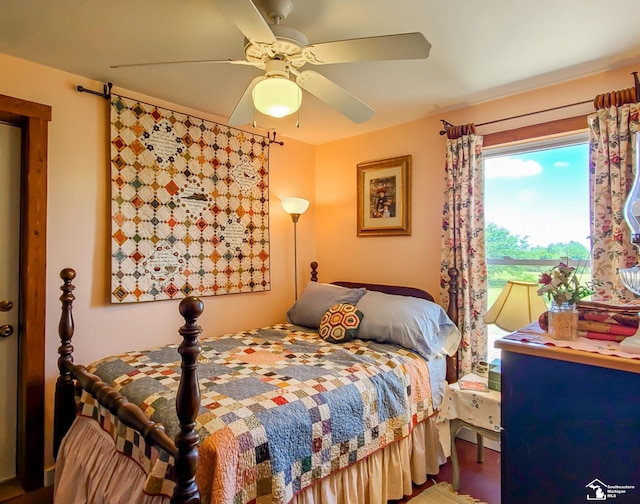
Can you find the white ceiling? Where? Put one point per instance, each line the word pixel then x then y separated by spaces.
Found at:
pixel 480 50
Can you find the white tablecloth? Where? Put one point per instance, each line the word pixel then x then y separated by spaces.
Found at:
pixel 477 408
pixel 534 334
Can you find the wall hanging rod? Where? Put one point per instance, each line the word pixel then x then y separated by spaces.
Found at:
pixel 106 94
pixel 273 140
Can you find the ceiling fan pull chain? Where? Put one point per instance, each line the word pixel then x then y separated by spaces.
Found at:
pixel 298 116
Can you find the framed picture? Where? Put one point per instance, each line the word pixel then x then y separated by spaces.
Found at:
pixel 384 197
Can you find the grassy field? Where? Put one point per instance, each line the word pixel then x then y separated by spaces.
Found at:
pixel 499 275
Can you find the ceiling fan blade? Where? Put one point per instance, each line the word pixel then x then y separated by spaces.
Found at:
pixel 384 47
pixel 335 96
pixel 244 111
pixel 183 62
pixel 247 18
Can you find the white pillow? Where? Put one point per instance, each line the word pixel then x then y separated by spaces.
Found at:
pixel 316 299
pixel 415 324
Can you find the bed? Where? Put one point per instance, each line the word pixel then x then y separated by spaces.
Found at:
pixel 329 407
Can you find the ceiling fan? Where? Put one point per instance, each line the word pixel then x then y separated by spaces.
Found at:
pixel 282 51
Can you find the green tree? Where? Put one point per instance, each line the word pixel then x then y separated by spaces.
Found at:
pixel 499 243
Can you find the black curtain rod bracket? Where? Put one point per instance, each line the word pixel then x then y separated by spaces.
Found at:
pixel 106 94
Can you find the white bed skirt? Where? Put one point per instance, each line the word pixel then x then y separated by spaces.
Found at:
pixel 88 451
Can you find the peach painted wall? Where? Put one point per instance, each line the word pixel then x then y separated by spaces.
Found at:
pixel 414 260
pixel 79 228
pixel 405 260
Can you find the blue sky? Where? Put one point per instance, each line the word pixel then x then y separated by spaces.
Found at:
pixel 543 195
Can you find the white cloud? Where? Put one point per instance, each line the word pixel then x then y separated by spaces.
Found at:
pixel 511 167
pixel 561 164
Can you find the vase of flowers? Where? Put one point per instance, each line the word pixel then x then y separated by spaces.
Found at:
pixel 562 287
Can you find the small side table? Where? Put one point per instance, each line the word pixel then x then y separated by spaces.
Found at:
pixel 477 411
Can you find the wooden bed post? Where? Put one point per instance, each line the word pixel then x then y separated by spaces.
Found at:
pixel 188 404
pixel 65 405
pixel 452 311
pixel 314 271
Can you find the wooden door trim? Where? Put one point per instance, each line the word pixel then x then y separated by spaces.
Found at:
pixel 33 119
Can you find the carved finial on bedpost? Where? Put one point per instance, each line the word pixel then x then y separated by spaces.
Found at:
pixel 452 311
pixel 65 408
pixel 188 404
pixel 314 271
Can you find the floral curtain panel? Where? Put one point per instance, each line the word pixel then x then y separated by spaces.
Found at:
pixel 611 138
pixel 463 245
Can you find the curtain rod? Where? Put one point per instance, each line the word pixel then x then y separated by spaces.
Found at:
pixel 447 125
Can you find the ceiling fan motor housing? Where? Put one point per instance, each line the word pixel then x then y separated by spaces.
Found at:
pixel 289 45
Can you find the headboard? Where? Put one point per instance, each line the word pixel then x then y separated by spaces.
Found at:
pixel 452 309
pixel 389 289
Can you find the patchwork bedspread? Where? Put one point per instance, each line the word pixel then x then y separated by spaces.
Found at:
pixel 281 409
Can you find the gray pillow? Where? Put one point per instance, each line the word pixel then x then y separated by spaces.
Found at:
pixel 413 323
pixel 316 299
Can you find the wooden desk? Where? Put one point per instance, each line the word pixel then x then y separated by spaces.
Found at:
pixel 569 417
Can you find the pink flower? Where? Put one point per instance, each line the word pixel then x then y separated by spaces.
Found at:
pixel 545 279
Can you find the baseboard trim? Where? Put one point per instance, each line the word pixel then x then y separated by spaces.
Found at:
pixel 49 476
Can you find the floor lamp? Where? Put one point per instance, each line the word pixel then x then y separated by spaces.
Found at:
pixel 295 207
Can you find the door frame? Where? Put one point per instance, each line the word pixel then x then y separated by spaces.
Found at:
pixel 33 120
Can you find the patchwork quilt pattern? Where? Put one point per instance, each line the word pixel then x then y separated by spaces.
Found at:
pixel 281 409
pixel 189 206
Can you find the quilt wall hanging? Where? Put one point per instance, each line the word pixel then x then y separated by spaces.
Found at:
pixel 189 206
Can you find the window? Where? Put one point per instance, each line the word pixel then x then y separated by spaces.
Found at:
pixel 536 212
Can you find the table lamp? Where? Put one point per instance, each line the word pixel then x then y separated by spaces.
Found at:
pixel 517 306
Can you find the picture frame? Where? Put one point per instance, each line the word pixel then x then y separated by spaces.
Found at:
pixel 384 197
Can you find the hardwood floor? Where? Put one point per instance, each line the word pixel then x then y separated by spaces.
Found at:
pixel 13 494
pixel 481 481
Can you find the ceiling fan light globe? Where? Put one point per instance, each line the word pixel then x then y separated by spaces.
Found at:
pixel 277 96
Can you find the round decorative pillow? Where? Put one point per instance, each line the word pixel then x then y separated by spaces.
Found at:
pixel 340 323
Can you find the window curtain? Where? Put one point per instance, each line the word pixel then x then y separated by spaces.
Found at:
pixel 611 138
pixel 463 245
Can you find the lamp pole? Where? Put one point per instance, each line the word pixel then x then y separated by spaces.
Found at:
pixel 294 218
pixel 295 207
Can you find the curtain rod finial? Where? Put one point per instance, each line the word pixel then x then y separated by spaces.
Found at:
pixel 446 125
